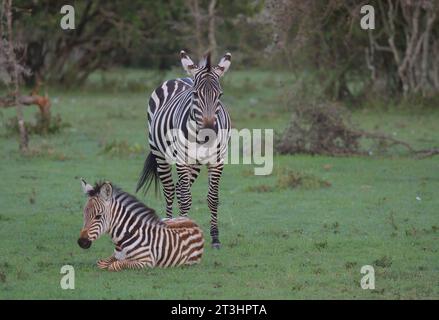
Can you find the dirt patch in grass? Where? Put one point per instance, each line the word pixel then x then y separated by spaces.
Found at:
pixel 321 245
pixel 290 179
pixel 350 265
pixel 120 148
pixel 46 151
pixel 383 262
pixel 295 179
pixel 262 188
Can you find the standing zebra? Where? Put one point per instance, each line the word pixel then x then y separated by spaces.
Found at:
pixel 141 237
pixel 188 106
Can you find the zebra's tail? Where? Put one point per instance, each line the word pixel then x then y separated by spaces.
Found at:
pixel 148 174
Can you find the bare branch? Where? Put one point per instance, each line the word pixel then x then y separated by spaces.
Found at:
pixel 14 74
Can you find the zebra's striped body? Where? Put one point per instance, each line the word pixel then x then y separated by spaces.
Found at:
pixel 170 108
pixel 140 236
pixel 178 111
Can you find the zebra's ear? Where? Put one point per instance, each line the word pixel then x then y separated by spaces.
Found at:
pixel 106 191
pixel 86 188
pixel 188 65
pixel 223 65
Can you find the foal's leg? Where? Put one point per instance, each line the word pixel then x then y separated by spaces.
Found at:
pixel 138 263
pixel 119 265
pixel 104 263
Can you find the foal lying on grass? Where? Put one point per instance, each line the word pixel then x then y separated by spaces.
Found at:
pixel 141 237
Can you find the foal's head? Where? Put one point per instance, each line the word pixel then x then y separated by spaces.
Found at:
pixel 96 212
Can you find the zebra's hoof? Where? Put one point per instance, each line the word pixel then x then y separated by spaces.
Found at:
pixel 216 245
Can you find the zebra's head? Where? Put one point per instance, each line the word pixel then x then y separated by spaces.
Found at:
pixel 206 89
pixel 96 212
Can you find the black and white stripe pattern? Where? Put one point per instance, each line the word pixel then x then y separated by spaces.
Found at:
pixel 141 237
pixel 188 107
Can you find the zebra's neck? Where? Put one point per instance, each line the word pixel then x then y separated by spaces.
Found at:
pixel 128 214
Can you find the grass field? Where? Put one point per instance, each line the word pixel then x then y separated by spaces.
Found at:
pixel 306 242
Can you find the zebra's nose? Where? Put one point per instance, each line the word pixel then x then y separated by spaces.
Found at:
pixel 84 243
pixel 209 123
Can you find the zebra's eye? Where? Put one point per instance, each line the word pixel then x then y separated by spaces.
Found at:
pixel 195 93
pixel 98 216
pixel 221 94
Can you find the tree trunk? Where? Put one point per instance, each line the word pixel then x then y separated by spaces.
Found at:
pixel 24 139
pixel 211 30
pixel 194 9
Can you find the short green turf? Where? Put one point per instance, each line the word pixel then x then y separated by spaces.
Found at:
pixel 380 210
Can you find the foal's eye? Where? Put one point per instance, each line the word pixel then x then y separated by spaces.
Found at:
pixel 98 216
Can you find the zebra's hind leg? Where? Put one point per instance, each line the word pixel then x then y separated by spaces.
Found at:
pixel 215 171
pixel 165 174
pixel 104 263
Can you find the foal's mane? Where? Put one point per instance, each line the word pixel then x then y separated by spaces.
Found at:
pixel 129 199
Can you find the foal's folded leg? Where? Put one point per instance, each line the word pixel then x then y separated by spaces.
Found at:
pixel 104 263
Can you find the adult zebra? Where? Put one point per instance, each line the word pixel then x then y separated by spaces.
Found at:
pixel 141 237
pixel 180 111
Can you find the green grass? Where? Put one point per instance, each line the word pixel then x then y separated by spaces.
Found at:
pixel 282 244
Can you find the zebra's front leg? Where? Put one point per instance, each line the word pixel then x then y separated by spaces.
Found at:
pixel 104 263
pixel 195 171
pixel 165 174
pixel 132 262
pixel 215 171
pixel 184 196
pixel 119 265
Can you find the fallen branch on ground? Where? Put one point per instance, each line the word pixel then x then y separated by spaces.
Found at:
pixel 380 136
pixel 43 103
pixel 425 153
pixel 326 129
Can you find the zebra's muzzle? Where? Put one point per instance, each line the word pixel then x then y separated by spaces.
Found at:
pixel 84 243
pixel 209 123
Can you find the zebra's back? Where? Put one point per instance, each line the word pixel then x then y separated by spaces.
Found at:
pixel 168 102
pixel 183 243
pixel 163 94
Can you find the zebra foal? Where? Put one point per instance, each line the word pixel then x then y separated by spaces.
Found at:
pixel 140 236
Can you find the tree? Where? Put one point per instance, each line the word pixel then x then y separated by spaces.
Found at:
pixel 400 56
pixel 200 18
pixel 10 68
pixel 409 35
pixel 106 33
pixel 217 25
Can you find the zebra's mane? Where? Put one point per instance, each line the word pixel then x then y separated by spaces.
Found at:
pixel 205 62
pixel 96 189
pixel 128 199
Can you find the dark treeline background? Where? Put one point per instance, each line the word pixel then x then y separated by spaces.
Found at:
pixel 322 38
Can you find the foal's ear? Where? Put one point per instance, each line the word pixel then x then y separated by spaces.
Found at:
pixel 223 65
pixel 86 188
pixel 106 191
pixel 188 65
